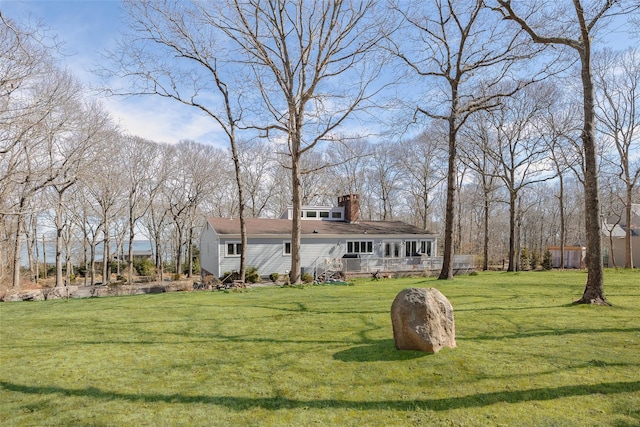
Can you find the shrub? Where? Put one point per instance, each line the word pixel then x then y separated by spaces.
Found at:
pixel 534 261
pixel 524 259
pixel 306 278
pixel 145 267
pixel 274 277
pixel 251 275
pixel 547 262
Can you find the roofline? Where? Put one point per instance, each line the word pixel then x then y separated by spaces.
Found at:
pixel 321 236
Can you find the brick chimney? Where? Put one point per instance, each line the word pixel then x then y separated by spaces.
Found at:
pixel 351 205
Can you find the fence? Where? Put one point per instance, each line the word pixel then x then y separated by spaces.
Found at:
pixel 323 270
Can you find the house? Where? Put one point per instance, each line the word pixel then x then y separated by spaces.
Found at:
pixel 332 239
pixel 614 240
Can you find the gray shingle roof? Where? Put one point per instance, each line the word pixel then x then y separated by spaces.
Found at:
pixel 267 226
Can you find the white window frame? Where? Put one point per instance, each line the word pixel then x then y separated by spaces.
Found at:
pixel 356 246
pixel 421 247
pixel 237 248
pixel 284 248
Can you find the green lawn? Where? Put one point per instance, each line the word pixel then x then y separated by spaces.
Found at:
pixel 324 355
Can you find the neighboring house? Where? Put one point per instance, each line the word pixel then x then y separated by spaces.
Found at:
pixel 332 239
pixel 613 241
pixel 138 255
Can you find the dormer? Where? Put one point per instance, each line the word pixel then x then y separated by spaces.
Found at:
pixel 317 213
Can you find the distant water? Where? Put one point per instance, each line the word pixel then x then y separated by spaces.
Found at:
pixel 77 255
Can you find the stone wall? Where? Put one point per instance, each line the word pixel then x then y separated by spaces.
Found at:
pixel 97 291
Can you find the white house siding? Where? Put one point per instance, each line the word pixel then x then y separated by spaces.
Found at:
pixel 209 251
pixel 267 254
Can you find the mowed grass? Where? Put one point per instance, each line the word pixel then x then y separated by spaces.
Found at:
pixel 324 355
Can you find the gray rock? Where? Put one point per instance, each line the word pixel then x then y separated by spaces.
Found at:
pixel 422 319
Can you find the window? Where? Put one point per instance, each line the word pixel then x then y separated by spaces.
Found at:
pixel 392 249
pixel 427 247
pixel 336 215
pixel 312 214
pixel 324 214
pixel 417 248
pixel 411 248
pixel 233 249
pixel 286 248
pixel 360 247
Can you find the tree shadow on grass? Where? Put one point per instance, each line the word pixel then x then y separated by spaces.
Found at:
pixel 278 402
pixel 377 351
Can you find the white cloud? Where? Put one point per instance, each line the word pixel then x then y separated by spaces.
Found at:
pixel 164 120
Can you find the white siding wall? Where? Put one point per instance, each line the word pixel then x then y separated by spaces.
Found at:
pixel 267 255
pixel 209 251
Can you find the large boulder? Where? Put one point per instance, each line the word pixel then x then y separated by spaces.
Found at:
pixel 422 319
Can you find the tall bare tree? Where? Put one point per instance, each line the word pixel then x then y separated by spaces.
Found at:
pixel 466 53
pixel 519 150
pixel 197 76
pixel 617 81
pixel 424 156
pixel 475 153
pixel 571 25
pixel 308 59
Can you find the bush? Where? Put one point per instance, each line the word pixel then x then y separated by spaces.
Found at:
pixel 534 261
pixel 251 275
pixel 274 277
pixel 145 267
pixel 524 259
pixel 307 278
pixel 547 262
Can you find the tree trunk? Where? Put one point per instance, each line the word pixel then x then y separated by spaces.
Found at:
pixel 131 237
pixel 295 273
pixel 17 248
pixel 447 257
pixel 512 232
pixel 628 250
pixel 44 257
pixel 106 271
pixel 485 249
pixel 562 222
pixel 59 281
pixel 594 288
pixel 240 189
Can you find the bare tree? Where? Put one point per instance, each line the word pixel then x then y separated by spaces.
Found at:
pixel 258 163
pixel 448 42
pixel 575 29
pixel 475 153
pixel 187 32
pixel 519 150
pixel 617 82
pixel 423 161
pixel 308 62
pixel 560 129
pixel 385 176
pixel 143 180
pixel 351 161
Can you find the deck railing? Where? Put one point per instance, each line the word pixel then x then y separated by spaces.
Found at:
pixel 418 265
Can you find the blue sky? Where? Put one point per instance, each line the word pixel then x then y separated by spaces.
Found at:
pixel 87 27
